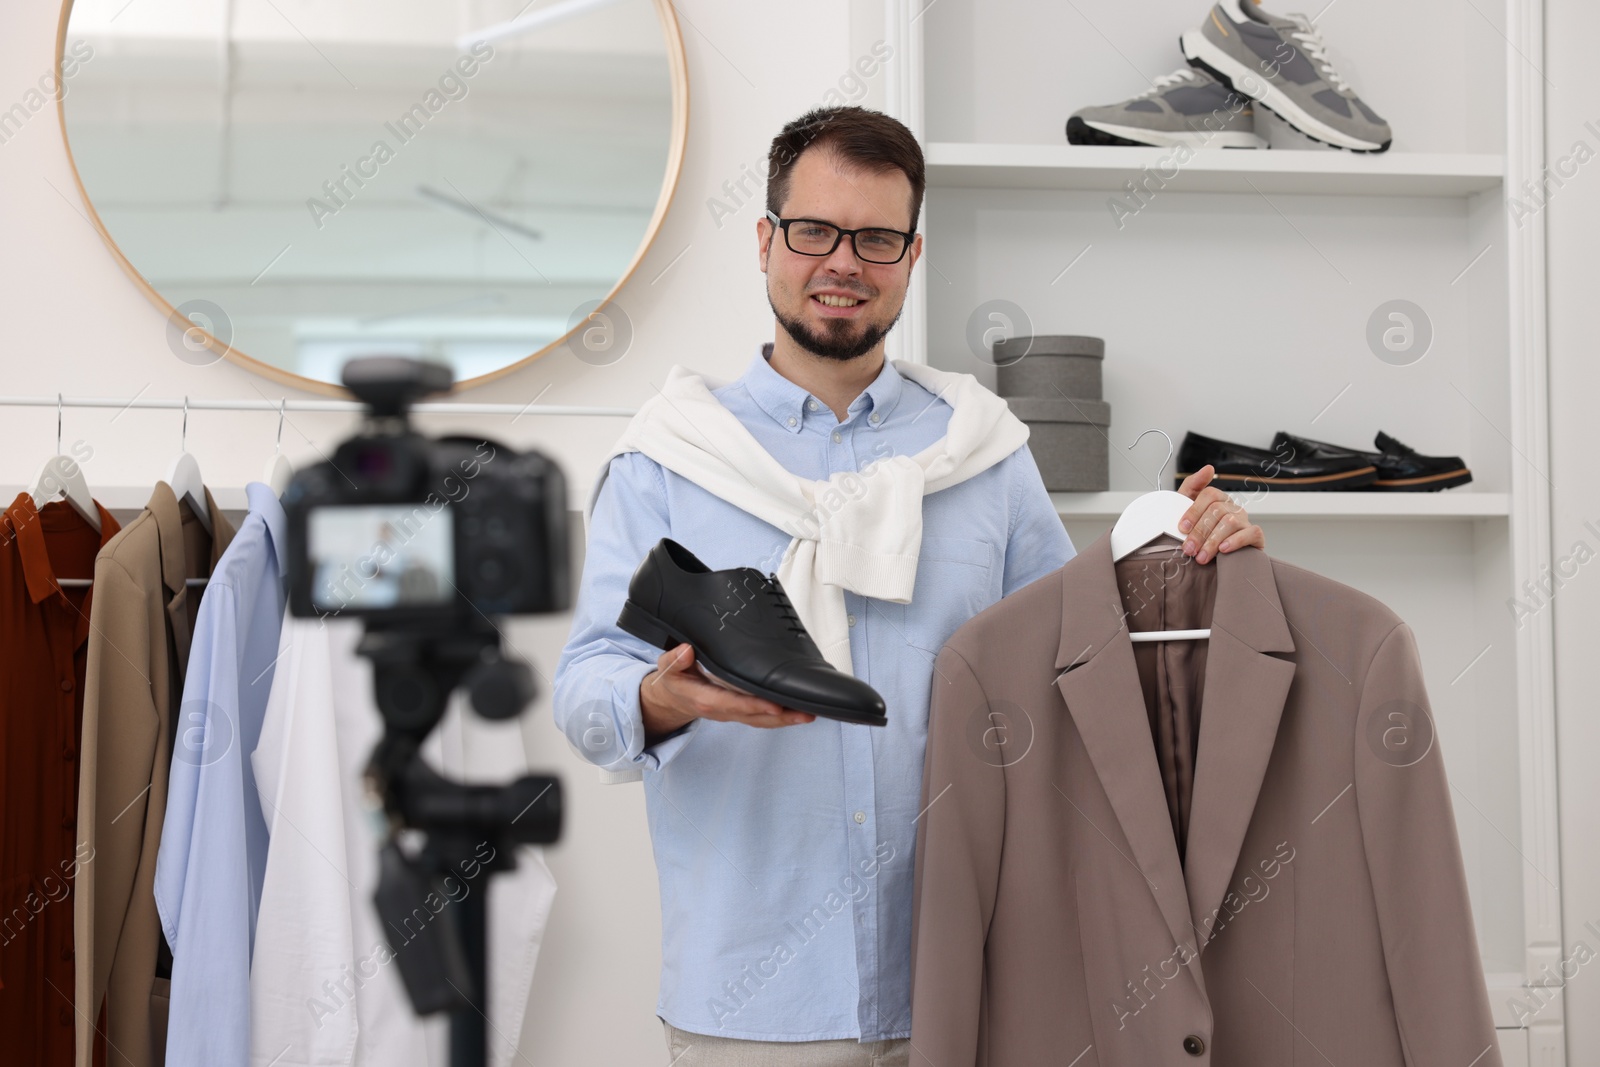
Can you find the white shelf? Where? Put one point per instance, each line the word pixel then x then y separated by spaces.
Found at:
pixel 1442 505
pixel 1211 170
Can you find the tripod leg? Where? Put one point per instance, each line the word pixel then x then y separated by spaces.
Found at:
pixel 469 1027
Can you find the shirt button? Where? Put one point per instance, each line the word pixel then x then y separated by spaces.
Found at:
pixel 836 437
pixel 861 816
pixel 851 619
pixel 811 404
pixel 792 420
pixel 1193 1045
pixel 875 418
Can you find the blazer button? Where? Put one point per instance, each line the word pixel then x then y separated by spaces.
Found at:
pixel 66 1016
pixel 1193 1045
pixel 66 685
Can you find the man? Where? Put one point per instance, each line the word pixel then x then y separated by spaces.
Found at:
pixel 786 855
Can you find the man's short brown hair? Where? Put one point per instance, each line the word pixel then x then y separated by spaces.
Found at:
pixel 859 137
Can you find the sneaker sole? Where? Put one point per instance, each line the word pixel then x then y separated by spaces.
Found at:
pixel 1084 132
pixel 1241 79
pixel 646 627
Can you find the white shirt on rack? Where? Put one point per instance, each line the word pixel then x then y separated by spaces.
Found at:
pixel 321 990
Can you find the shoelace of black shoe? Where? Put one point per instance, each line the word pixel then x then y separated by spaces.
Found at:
pixel 774 589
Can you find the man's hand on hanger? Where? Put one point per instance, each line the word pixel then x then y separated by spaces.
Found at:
pixel 1214 523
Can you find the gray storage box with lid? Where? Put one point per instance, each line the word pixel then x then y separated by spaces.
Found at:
pixel 1053 384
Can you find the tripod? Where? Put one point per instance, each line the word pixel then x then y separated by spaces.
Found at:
pixel 443 965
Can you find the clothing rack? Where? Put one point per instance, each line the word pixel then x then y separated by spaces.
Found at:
pixel 279 407
pixel 335 406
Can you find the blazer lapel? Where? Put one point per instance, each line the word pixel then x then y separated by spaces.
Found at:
pixel 1100 683
pixel 1241 705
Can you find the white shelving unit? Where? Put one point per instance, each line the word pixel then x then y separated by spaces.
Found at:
pixel 1235 294
pixel 1031 166
pixel 1313 506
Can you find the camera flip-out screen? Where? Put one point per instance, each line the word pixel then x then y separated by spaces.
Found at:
pixel 380 556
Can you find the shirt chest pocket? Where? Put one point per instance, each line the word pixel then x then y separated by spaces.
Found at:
pixel 955 581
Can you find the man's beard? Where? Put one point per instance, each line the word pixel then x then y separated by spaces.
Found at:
pixel 835 344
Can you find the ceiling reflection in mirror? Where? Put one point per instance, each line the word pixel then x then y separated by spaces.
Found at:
pixel 313 181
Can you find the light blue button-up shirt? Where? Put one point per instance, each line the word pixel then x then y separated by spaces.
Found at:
pixel 213 839
pixel 786 856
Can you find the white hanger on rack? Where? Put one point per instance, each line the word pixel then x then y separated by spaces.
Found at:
pixel 184 476
pixel 63 476
pixel 1145 519
pixel 278 471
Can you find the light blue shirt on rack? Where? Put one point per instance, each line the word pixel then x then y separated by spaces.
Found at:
pixel 786 856
pixel 213 838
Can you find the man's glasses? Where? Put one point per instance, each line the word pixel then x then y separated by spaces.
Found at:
pixel 813 237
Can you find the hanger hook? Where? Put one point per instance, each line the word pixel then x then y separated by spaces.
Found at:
pixel 58 424
pixel 1164 462
pixel 183 441
pixel 283 403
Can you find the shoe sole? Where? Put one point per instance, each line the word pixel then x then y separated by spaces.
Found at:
pixel 1360 478
pixel 1426 484
pixel 1084 132
pixel 1241 79
pixel 646 627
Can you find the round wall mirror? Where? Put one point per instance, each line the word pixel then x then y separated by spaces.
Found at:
pixel 298 182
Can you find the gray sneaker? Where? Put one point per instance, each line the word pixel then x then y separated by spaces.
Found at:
pixel 1187 107
pixel 1282 64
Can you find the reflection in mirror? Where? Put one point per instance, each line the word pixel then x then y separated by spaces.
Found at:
pixel 313 181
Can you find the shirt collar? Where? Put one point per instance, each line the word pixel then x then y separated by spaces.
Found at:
pixel 264 502
pixel 785 401
pixel 29 532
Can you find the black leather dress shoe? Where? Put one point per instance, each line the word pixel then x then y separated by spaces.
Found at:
pixel 1400 468
pixel 1243 467
pixel 745 634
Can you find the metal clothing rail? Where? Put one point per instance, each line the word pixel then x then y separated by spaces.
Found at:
pixel 84 583
pixel 337 406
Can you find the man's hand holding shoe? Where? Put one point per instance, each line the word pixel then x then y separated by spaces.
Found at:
pixel 675 694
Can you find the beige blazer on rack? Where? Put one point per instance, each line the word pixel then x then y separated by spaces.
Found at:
pixel 140 626
pixel 1321 915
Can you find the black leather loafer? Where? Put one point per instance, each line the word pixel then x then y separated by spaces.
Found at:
pixel 745 634
pixel 1242 467
pixel 1400 468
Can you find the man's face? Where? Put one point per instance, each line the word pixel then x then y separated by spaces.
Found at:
pixel 851 199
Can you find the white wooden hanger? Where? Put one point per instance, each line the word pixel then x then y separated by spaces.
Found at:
pixel 278 471
pixel 1148 517
pixel 184 477
pixel 63 476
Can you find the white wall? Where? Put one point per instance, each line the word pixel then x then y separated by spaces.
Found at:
pixel 74 322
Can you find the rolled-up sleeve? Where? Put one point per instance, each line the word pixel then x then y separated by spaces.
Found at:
pixel 596 699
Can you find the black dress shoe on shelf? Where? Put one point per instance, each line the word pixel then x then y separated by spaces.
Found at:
pixel 1242 467
pixel 1400 468
pixel 745 634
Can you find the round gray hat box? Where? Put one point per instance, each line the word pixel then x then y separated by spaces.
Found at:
pixel 1067 437
pixel 1049 365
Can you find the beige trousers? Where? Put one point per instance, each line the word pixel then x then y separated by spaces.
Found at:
pixel 702 1050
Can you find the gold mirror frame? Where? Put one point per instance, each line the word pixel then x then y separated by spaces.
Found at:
pixel 678 68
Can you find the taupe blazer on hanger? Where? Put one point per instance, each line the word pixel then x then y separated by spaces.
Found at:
pixel 140 627
pixel 1320 914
